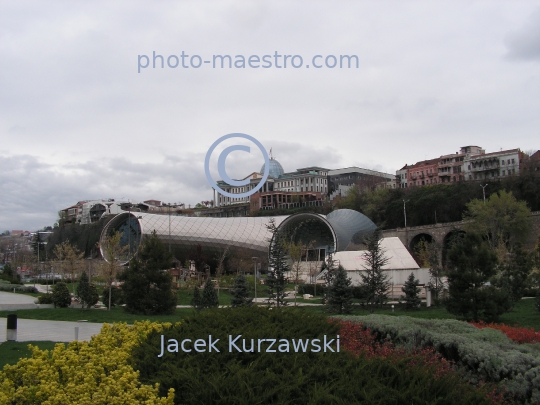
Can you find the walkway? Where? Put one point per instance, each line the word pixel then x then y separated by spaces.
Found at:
pixel 55 331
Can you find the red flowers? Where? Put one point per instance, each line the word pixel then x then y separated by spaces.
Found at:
pixel 361 342
pixel 515 333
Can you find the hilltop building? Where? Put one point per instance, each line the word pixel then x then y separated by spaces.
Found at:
pixel 470 163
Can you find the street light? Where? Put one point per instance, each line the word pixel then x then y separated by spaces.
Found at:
pixel 405 212
pixel 484 192
pixel 405 216
pixel 255 274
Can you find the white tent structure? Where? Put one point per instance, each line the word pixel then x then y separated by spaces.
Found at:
pixel 399 267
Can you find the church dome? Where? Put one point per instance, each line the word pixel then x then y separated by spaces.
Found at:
pixel 276 169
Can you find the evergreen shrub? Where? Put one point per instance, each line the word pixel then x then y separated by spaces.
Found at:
pixel 310 289
pixel 116 296
pixel 482 354
pixel 61 296
pixel 46 299
pixel 285 378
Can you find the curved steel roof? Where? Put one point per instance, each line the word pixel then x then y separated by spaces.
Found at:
pixel 335 231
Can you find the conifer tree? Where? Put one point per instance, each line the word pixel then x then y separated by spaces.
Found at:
pixel 375 281
pixel 147 285
pixel 240 292
pixel 209 296
pixel 87 292
pixel 60 295
pixel 196 301
pixel 278 266
pixel 411 299
pixel 472 264
pixel 340 293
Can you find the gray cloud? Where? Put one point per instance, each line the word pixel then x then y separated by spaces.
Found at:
pixel 524 44
pixel 77 121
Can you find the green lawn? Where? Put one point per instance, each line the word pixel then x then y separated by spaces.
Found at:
pixel 523 314
pixel 117 314
pixel 11 352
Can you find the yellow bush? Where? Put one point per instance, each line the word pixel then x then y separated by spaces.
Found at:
pixel 84 373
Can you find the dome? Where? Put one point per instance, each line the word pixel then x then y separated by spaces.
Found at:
pixel 350 226
pixel 275 168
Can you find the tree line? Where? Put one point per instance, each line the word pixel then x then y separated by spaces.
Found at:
pixel 437 203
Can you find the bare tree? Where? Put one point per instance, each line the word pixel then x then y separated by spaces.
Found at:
pixel 114 256
pixel 70 260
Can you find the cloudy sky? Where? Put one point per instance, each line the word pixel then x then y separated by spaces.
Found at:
pixel 78 121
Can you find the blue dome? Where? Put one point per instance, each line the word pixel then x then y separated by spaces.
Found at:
pixel 275 168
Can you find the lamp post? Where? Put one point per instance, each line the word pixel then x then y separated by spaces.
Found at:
pixel 255 275
pixel 484 192
pixel 405 212
pixel 405 216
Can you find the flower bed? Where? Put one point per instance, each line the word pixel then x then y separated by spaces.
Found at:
pixel 516 333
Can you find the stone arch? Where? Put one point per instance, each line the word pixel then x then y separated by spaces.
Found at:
pixel 447 242
pixel 415 240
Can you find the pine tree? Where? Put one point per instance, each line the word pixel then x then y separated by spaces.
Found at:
pixel 83 290
pixel 209 296
pixel 340 293
pixel 240 292
pixel 8 273
pixel 196 301
pixel 147 285
pixel 278 266
pixel 374 279
pixel 116 296
pixel 61 296
pixel 411 299
pixel 472 264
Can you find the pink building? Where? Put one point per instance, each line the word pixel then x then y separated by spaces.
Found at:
pixel 423 173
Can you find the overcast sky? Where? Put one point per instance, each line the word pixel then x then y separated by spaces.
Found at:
pixel 78 121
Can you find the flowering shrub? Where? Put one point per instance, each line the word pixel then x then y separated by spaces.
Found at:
pixel 481 354
pixel 516 333
pixel 360 341
pixel 84 373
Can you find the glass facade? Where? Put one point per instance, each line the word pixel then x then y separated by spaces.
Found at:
pixel 181 234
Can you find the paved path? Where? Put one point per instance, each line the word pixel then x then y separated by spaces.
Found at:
pixel 55 331
pixel 12 298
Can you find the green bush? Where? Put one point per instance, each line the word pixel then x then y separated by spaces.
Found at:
pixel 286 378
pixel 61 296
pixel 18 288
pixel 310 289
pixel 46 299
pixel 483 354
pixel 116 296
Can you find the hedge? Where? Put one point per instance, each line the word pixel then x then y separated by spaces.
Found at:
pixel 483 354
pixel 287 378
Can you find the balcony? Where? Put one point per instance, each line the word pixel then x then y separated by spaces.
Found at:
pixel 482 168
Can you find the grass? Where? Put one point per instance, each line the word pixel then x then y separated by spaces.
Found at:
pixel 12 352
pixel 116 314
pixel 524 313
